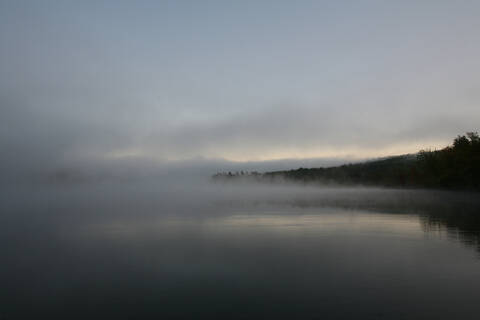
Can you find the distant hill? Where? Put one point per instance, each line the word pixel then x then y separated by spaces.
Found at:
pixel 454 167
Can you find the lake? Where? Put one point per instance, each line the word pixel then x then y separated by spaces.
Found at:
pixel 192 251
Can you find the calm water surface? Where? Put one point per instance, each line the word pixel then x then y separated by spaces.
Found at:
pixel 320 254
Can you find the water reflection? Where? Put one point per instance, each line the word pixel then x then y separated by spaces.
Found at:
pixel 454 213
pixel 310 254
pixel 461 226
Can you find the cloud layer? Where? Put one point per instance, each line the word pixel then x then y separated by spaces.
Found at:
pixel 103 82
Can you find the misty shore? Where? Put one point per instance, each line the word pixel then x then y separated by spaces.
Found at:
pixel 454 167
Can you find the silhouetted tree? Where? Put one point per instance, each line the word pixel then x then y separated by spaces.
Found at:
pixel 456 166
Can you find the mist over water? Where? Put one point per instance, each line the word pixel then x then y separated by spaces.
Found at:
pixel 180 247
pixel 115 114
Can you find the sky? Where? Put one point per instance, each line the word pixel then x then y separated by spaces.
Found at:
pixel 234 80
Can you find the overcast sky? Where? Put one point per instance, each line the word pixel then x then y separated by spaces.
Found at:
pixel 238 80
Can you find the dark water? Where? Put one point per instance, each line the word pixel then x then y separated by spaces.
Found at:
pixel 220 252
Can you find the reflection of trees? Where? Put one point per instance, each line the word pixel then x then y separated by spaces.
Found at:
pixel 462 225
pixel 457 213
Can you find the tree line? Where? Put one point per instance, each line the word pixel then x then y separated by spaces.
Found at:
pixel 455 167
